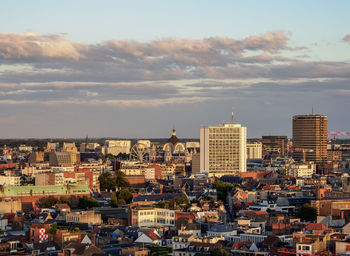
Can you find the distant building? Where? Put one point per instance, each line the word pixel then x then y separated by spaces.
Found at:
pixel 60 159
pixel 115 147
pixel 310 137
pixel 10 180
pixel 174 145
pixel 223 149
pixel 254 150
pixel 25 148
pixel 275 144
pixel 301 170
pixel 52 146
pixel 49 178
pixel 147 216
pixel 89 217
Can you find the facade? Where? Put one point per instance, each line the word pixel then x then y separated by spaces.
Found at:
pixel 301 170
pixel 89 217
pixel 114 147
pixel 145 216
pixel 35 193
pixel 310 137
pixel 254 150
pixel 223 149
pixel 10 180
pixel 49 178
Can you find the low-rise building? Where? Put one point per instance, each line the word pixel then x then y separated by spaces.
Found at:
pixel 89 217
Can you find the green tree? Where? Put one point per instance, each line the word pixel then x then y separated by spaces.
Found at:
pixel 110 181
pixel 114 200
pixel 64 200
pixel 121 180
pixel 307 213
pixel 125 195
pixel 87 202
pixel 107 181
pixel 47 202
pixel 222 188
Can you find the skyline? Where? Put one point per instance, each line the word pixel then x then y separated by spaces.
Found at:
pixel 117 70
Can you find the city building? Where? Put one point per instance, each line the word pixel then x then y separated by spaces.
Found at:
pixel 114 147
pixel 310 138
pixel 10 180
pixel 301 170
pixel 223 149
pixel 254 150
pixel 89 217
pixel 147 216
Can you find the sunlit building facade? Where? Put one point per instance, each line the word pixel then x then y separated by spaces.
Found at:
pixel 223 149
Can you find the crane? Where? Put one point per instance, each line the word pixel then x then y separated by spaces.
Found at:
pixel 335 134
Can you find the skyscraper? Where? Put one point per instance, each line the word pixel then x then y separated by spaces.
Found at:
pixel 310 137
pixel 223 149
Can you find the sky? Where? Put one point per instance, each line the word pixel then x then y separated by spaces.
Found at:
pixel 136 69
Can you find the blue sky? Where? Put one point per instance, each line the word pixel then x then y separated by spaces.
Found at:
pixel 68 68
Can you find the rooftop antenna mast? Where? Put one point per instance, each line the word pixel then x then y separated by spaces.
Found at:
pixel 312 111
pixel 232 115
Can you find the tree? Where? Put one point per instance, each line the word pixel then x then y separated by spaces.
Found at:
pixel 307 213
pixel 107 181
pixel 222 188
pixel 110 181
pixel 65 200
pixel 87 202
pixel 47 202
pixel 125 195
pixel 121 180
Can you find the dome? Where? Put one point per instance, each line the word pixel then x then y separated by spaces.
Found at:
pixel 173 139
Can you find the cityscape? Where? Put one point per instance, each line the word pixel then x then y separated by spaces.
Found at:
pixel 115 136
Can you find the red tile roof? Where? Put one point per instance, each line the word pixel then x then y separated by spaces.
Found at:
pixel 315 226
pixel 152 235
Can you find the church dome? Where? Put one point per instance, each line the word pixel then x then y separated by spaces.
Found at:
pixel 173 139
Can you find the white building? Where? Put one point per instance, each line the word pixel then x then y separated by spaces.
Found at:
pixel 152 217
pixel 115 147
pixel 254 150
pixel 301 170
pixel 223 149
pixel 10 180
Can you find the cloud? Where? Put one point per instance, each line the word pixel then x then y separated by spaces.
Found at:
pixel 31 46
pixel 49 69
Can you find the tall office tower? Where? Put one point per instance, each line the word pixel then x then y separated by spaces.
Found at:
pixel 223 149
pixel 310 137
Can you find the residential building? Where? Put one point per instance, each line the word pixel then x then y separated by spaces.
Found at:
pixel 223 149
pixel 301 170
pixel 89 217
pixel 10 180
pixel 147 216
pixel 254 150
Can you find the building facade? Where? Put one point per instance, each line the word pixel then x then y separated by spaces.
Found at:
pixel 223 149
pixel 254 150
pixel 310 137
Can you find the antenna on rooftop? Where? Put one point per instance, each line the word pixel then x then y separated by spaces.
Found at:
pixel 312 111
pixel 232 115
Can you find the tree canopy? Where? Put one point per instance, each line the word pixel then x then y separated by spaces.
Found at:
pixel 110 181
pixel 307 213
pixel 123 196
pixel 223 188
pixel 87 202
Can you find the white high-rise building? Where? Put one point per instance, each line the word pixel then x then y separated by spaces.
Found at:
pixel 223 149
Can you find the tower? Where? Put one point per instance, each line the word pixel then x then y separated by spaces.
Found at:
pixel 310 137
